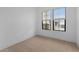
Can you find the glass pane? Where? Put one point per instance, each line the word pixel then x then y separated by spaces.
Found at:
pixel 59 25
pixel 49 13
pixel 59 13
pixel 44 15
pixel 46 25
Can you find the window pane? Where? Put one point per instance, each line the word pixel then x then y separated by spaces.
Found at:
pixel 46 25
pixel 59 25
pixel 59 13
pixel 49 14
pixel 44 15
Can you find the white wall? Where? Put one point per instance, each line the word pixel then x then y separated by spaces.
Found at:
pixel 77 27
pixel 16 24
pixel 69 35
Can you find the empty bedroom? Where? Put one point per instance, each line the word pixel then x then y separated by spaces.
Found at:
pixel 39 29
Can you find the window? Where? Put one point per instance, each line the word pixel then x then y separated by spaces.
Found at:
pixel 58 16
pixel 59 22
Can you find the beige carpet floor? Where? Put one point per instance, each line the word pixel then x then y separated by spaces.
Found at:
pixel 42 44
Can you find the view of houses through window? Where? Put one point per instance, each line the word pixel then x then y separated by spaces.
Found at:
pixel 56 18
